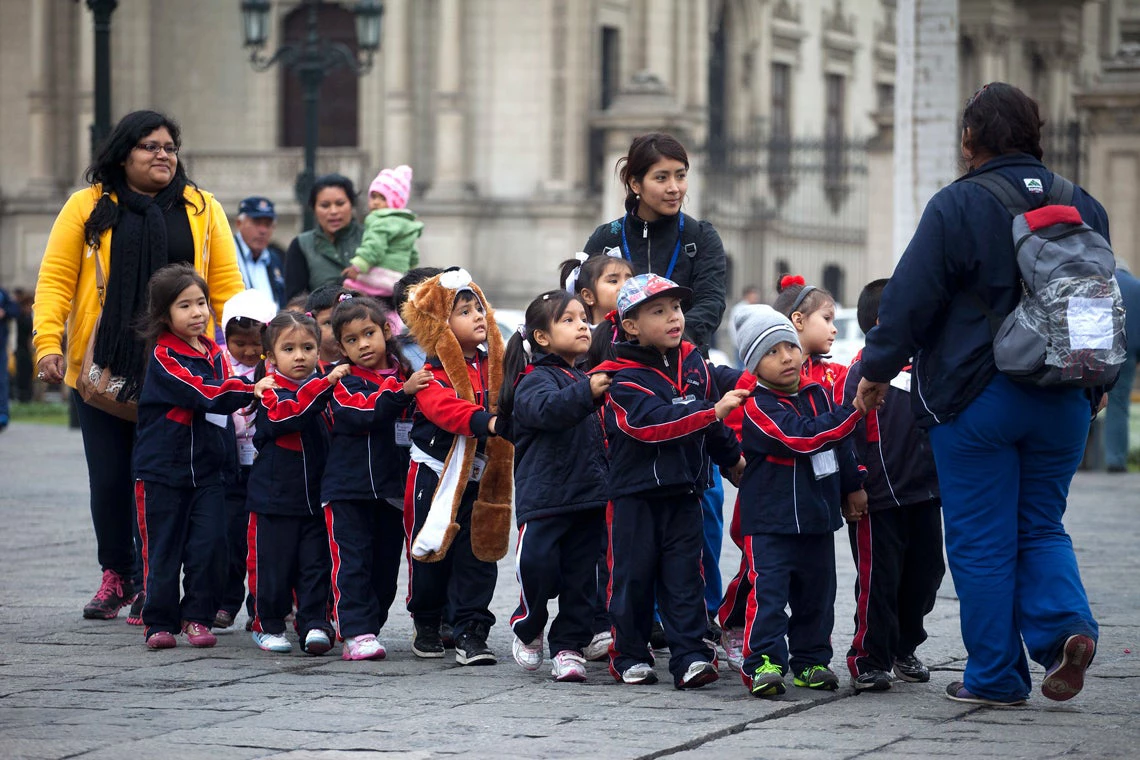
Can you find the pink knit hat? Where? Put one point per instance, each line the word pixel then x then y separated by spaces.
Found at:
pixel 394 184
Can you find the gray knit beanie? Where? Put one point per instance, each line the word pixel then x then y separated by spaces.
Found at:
pixel 758 329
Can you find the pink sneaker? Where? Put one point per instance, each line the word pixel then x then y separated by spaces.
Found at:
pixel 161 640
pixel 198 635
pixel 364 647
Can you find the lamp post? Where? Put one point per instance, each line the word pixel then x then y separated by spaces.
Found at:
pixel 101 126
pixel 312 59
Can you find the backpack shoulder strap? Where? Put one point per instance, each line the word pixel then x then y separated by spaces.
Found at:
pixel 1062 191
pixel 1004 190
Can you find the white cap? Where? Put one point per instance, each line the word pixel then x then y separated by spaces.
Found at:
pixel 252 304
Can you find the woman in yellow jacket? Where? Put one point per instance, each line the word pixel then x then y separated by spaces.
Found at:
pixel 140 213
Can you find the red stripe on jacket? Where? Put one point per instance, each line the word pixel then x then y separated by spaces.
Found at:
pixel 663 431
pixel 799 444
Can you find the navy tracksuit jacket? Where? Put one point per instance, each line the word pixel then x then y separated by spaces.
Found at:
pixel 800 463
pixel 364 494
pixel 560 500
pixel 897 547
pixel 288 546
pixel 662 429
pixel 184 445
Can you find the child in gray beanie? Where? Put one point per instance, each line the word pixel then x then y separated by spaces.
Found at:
pixel 800 470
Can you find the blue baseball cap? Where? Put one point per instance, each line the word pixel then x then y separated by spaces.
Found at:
pixel 256 207
pixel 643 287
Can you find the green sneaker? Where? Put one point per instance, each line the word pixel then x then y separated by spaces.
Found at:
pixel 768 680
pixel 817 677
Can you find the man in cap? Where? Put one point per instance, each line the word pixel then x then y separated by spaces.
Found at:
pixel 259 261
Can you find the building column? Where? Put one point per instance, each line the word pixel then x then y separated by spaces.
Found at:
pixel 399 121
pixel 926 109
pixel 451 145
pixel 42 135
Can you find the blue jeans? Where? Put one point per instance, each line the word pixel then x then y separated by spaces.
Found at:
pixel 712 519
pixel 1005 465
pixel 1116 417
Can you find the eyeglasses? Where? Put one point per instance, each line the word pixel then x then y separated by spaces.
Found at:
pixel 169 149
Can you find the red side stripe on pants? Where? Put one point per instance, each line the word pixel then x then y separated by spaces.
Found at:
pixel 610 586
pixel 750 616
pixel 140 509
pixel 410 522
pixel 334 551
pixel 518 576
pixel 251 566
pixel 735 594
pixel 863 601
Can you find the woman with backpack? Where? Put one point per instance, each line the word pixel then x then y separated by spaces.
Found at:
pixel 1006 449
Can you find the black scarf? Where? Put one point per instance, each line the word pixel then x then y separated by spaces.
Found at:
pixel 138 250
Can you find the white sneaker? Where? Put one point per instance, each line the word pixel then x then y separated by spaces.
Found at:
pixel 697 675
pixel 316 642
pixel 528 656
pixel 732 639
pixel 599 646
pixel 569 666
pixel 640 674
pixel 365 647
pixel 272 642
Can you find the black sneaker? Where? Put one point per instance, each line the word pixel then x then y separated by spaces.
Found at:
pixel 911 669
pixel 471 648
pixel 115 592
pixel 657 640
pixel 713 633
pixel 426 642
pixel 872 680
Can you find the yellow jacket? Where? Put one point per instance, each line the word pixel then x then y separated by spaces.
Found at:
pixel 66 287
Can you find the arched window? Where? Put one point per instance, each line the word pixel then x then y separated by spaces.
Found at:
pixel 833 281
pixel 339 98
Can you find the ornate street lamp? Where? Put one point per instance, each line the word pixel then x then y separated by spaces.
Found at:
pixel 312 59
pixel 101 10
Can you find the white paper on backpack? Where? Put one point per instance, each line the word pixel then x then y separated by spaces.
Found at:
pixel 1090 323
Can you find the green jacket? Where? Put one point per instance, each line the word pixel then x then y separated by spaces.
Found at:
pixel 327 257
pixel 389 241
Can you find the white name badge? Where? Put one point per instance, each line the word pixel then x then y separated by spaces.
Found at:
pixel 217 419
pixel 247 452
pixel 901 381
pixel 477 468
pixel 685 399
pixel 824 463
pixel 403 433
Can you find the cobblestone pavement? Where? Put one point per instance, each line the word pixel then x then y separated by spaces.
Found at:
pixel 72 688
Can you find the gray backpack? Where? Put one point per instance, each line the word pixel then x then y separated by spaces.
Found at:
pixel 1068 328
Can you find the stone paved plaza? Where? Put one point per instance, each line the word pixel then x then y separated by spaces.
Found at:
pixel 73 688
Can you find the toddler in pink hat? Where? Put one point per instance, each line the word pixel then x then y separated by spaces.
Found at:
pixel 388 248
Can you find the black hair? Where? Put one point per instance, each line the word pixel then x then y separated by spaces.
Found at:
pixel 242 323
pixel 1002 119
pixel 326 297
pixel 298 303
pixel 789 301
pixel 867 310
pixel 608 332
pixel 332 180
pixel 411 277
pixel 541 314
pixel 590 272
pixel 365 307
pixel 161 292
pixel 284 320
pixel 467 295
pixel 107 168
pixel 644 152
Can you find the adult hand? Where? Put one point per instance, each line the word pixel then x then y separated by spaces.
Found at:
pixel 50 369
pixel 855 506
pixel 870 396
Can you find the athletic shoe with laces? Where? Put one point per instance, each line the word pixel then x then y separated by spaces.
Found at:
pixel 365 647
pixel 115 592
pixel 958 692
pixel 657 637
pixel 872 680
pixel 426 642
pixel 528 656
pixel 640 674
pixel 134 616
pixel 732 640
pixel 161 640
pixel 911 669
pixel 316 642
pixel 599 647
pixel 768 679
pixel 198 635
pixel 471 648
pixel 223 619
pixel 1067 676
pixel 568 667
pixel 271 642
pixel 697 675
pixel 817 677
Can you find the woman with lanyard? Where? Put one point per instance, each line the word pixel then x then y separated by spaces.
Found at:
pixel 655 236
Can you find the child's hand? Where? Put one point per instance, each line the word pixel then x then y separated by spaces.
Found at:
pixel 855 506
pixel 264 384
pixel 337 374
pixel 729 401
pixel 736 472
pixel 417 382
pixel 600 383
pixel 350 272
